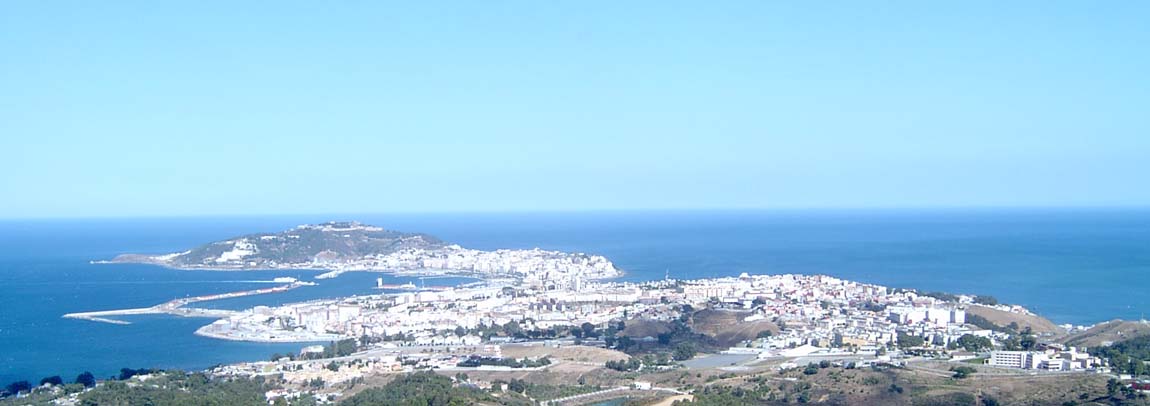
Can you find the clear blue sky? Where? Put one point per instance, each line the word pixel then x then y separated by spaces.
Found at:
pixel 157 108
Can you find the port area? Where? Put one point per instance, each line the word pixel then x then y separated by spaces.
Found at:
pixel 177 307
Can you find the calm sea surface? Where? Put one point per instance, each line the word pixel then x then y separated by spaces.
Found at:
pixel 1073 266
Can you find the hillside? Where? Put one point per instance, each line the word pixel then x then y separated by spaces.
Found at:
pixel 728 327
pixel 1107 333
pixel 330 242
pixel 1003 318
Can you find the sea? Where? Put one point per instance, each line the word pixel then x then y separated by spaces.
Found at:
pixel 1076 266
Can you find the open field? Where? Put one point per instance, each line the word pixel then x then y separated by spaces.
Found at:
pixel 580 354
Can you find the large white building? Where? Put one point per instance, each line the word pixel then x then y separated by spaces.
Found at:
pixel 1012 359
pixel 1049 360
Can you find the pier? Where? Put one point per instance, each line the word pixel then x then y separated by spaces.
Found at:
pixel 176 307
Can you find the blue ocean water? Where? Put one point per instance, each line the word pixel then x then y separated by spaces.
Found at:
pixel 1073 266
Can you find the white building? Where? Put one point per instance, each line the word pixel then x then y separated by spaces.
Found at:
pixel 1011 359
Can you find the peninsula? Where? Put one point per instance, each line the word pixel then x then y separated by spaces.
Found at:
pixel 352 246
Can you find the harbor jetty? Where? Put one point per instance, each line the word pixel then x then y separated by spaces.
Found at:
pixel 177 307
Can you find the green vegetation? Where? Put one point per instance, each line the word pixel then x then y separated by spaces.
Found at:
pixel 1024 340
pixel 986 300
pixel 961 372
pixel 629 365
pixel 1127 356
pixel 673 340
pixel 909 341
pixel 547 392
pixel 983 323
pixel 811 369
pixel 972 343
pixel 178 388
pixel 341 348
pixel 303 244
pixel 18 386
pixel 128 373
pixel 684 351
pixel 943 296
pixel 84 380
pixel 949 297
pixel 476 360
pixel 87 379
pixel 420 389
pixel 737 396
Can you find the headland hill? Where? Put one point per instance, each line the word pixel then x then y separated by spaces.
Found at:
pixel 556 320
pixel 351 246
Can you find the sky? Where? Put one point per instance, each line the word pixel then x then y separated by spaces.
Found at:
pixel 189 108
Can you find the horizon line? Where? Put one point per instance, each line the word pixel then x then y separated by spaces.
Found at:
pixel 780 209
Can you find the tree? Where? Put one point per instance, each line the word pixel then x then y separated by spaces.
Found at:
pixel 1126 356
pixel 811 369
pixel 512 329
pixel 588 329
pixel 908 341
pixel 1012 343
pixel 624 343
pixel 632 364
pixel 19 386
pixel 52 380
pixel 128 373
pixel 962 372
pixel 684 351
pixel 86 379
pixel 460 331
pixel 1112 386
pixel 986 300
pixel 971 342
pixel 1028 341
